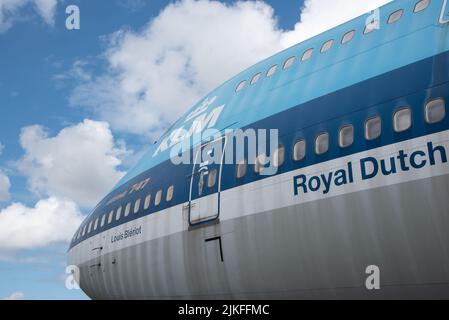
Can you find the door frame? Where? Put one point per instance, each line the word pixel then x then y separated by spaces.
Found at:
pixel 192 177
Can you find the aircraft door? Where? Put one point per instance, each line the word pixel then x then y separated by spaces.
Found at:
pixel 205 183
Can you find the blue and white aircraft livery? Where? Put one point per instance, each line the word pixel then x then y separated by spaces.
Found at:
pixel 320 172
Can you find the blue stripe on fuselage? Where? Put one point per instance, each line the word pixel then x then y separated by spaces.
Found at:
pixel 411 85
pixel 416 36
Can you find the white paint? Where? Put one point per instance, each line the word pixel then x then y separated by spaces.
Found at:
pixel 276 192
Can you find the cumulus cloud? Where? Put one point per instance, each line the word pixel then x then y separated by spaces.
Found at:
pixel 16 296
pixel 80 163
pixel 318 16
pixel 5 184
pixel 193 46
pixel 10 11
pixel 4 181
pixel 51 221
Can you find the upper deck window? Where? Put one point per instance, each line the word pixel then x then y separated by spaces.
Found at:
pixel 289 62
pixel 307 54
pixel 240 86
pixel 90 227
pixel 96 224
pixel 256 78
pixel 395 16
pixel 435 111
pixel 421 5
pixel 327 46
pixel 272 70
pixel 348 37
pixel 370 27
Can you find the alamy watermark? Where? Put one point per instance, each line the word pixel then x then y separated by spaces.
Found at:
pixel 259 147
pixel 73 20
pixel 73 277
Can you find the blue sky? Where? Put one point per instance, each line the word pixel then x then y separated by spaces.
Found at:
pixel 32 53
pixel 78 107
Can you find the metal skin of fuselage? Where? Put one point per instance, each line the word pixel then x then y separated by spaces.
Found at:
pixel 277 237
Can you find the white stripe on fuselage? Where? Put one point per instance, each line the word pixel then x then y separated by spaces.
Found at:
pixel 278 192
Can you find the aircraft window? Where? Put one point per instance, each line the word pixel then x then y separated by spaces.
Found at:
pixel 103 220
pixel 279 156
pixel 201 182
pixel 421 5
pixel 84 229
pixel 169 196
pixel 322 143
pixel 327 46
pixel 402 120
pixel 79 234
pixel 307 54
pixel 90 227
pixel 240 86
pixel 395 16
pixel 118 213
pixel 370 27
pixel 111 214
pixel 256 78
pixel 346 136
pixel 96 224
pixel 137 206
pixel 157 198
pixel 212 178
pixel 241 169
pixel 435 111
pixel 146 204
pixel 272 70
pixel 127 209
pixel 348 37
pixel 260 163
pixel 299 150
pixel 373 128
pixel 289 62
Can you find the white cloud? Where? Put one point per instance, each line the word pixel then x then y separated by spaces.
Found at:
pixel 52 220
pixel 155 74
pixel 80 163
pixel 16 296
pixel 191 47
pixel 5 184
pixel 10 11
pixel 318 16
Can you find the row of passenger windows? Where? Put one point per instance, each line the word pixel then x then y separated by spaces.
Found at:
pixel 347 37
pixel 434 112
pixel 116 214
